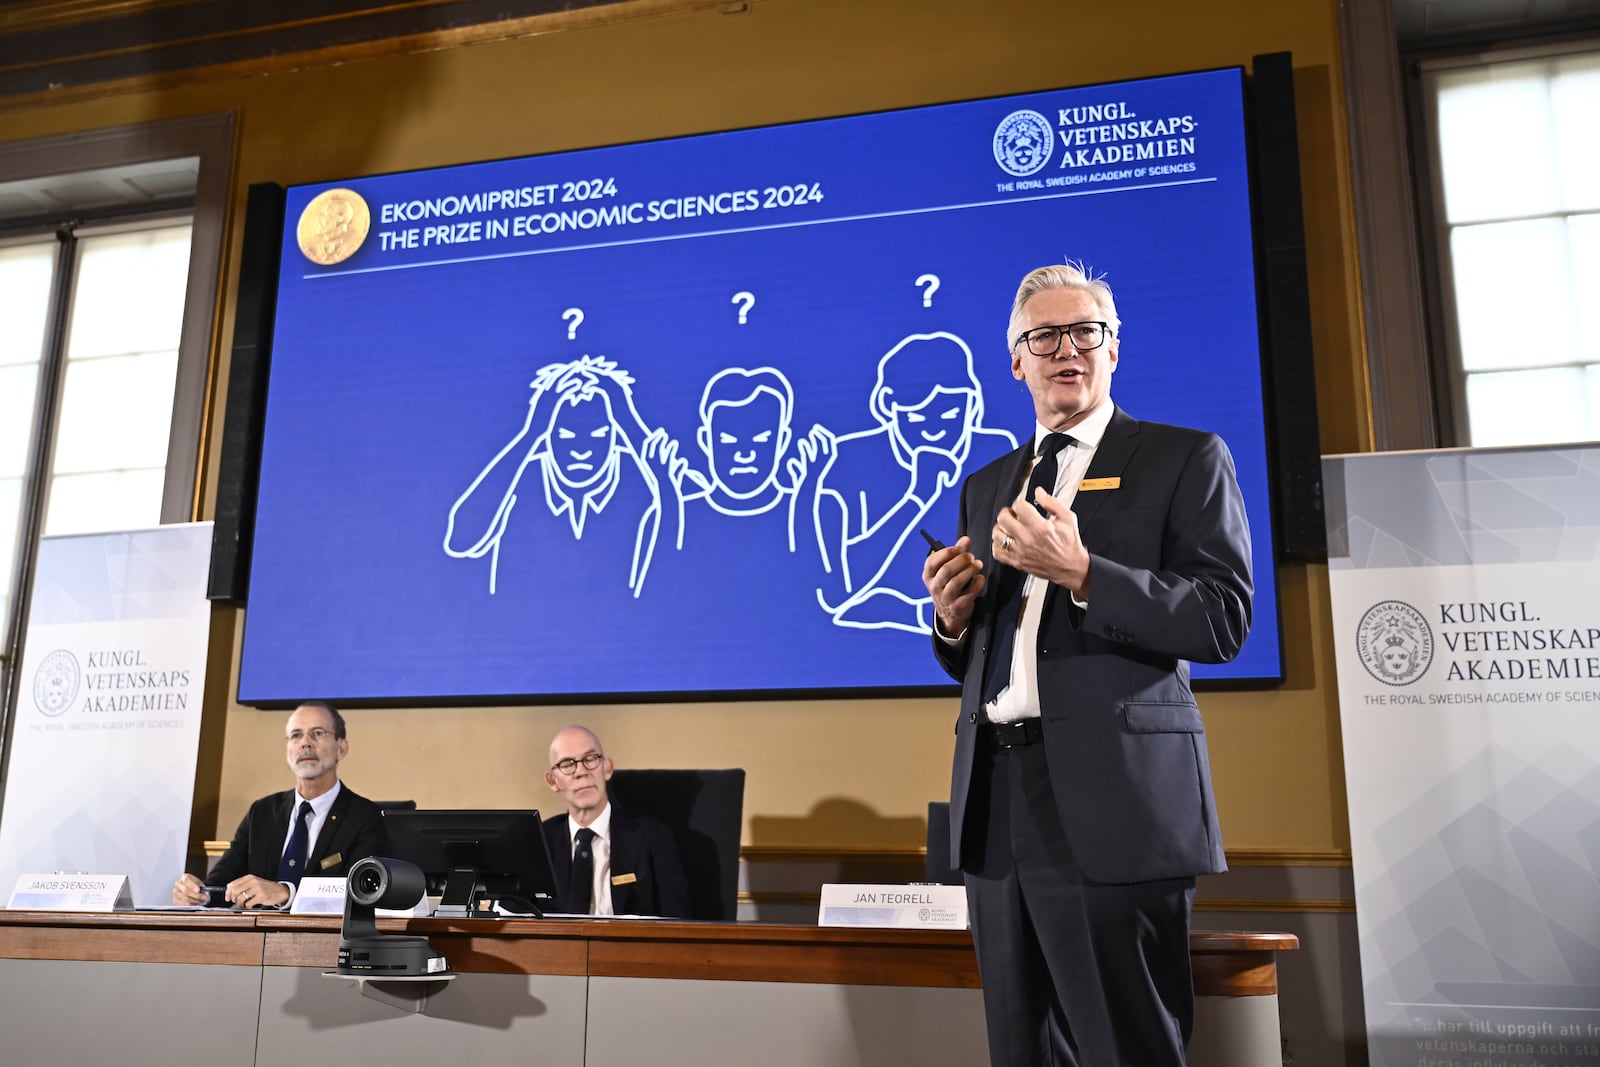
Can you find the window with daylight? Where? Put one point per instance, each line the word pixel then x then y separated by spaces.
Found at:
pixel 87 414
pixel 120 366
pixel 1517 215
pixel 110 251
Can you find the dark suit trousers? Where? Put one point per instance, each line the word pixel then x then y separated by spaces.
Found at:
pixel 1075 973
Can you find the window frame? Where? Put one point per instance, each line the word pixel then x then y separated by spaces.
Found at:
pixel 1437 264
pixel 209 139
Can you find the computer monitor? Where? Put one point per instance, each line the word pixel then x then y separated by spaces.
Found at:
pixel 470 857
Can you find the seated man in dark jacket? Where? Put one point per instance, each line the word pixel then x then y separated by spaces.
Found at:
pixel 607 861
pixel 319 828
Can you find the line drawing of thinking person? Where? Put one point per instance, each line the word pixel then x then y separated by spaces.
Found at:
pixel 595 464
pixel 869 496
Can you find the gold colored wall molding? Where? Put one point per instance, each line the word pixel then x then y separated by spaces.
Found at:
pixel 808 854
pixel 1278 906
pixel 27 16
pixel 1271 857
pixel 1264 906
pixel 336 55
pixel 1242 857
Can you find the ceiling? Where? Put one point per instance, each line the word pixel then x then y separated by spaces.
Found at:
pixel 55 48
pixel 113 190
pixel 77 45
pixel 1423 24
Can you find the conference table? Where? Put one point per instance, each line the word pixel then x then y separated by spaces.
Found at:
pixel 224 988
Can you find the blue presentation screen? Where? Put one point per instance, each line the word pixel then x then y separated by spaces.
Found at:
pixel 666 418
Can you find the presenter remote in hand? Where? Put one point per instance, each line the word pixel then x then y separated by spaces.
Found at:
pixel 1091 565
pixel 319 828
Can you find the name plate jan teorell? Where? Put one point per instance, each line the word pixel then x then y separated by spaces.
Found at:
pixel 71 892
pixel 929 907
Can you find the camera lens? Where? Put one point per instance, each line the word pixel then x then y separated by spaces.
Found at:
pixel 385 883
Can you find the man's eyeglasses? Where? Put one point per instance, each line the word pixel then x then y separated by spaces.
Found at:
pixel 569 766
pixel 316 734
pixel 1046 340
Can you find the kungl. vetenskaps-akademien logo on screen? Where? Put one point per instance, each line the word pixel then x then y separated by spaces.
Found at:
pixel 55 683
pixel 1023 142
pixel 1394 642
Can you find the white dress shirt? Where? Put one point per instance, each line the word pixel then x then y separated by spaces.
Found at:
pixel 319 816
pixel 1020 699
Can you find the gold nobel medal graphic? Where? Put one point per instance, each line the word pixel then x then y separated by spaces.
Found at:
pixel 333 226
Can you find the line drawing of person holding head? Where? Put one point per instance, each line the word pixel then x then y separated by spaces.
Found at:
pixel 596 464
pixel 868 491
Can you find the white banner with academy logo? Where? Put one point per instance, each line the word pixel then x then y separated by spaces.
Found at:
pixel 1466 600
pixel 107 723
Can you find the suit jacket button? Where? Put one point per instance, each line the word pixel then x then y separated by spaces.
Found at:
pixel 972 717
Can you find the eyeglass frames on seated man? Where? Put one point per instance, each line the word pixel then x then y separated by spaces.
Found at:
pixel 569 766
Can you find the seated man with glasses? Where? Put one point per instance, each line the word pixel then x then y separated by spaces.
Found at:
pixel 607 861
pixel 319 828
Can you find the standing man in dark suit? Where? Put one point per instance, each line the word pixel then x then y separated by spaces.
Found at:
pixel 319 828
pixel 606 861
pixel 1089 569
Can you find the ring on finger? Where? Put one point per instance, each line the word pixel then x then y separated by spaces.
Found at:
pixel 1005 544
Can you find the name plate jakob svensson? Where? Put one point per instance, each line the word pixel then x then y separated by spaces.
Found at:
pixel 929 907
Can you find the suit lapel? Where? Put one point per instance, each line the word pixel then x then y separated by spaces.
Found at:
pixel 559 842
pixel 269 850
pixel 1111 456
pixel 329 832
pixel 1006 488
pixel 624 860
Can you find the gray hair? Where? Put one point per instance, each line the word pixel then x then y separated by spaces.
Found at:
pixel 1072 274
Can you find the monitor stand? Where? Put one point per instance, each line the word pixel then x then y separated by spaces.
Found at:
pixel 464 890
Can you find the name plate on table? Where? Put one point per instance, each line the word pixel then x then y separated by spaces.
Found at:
pixel 325 896
pixel 928 907
pixel 71 892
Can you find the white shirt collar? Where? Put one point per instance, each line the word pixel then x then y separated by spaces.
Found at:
pixel 601 825
pixel 1087 433
pixel 319 805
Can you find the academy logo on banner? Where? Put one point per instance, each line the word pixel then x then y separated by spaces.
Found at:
pixel 55 683
pixel 1394 642
pixel 1023 142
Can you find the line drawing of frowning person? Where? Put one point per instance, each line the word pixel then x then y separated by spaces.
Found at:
pixel 596 467
pixel 745 432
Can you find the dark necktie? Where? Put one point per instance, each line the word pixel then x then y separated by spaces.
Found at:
pixel 580 885
pixel 1008 586
pixel 293 864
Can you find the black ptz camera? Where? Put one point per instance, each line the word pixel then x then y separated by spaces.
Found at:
pixel 380 882
pixel 385 883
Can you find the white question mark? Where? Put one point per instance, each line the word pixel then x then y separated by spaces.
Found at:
pixel 574 317
pixel 932 283
pixel 746 301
